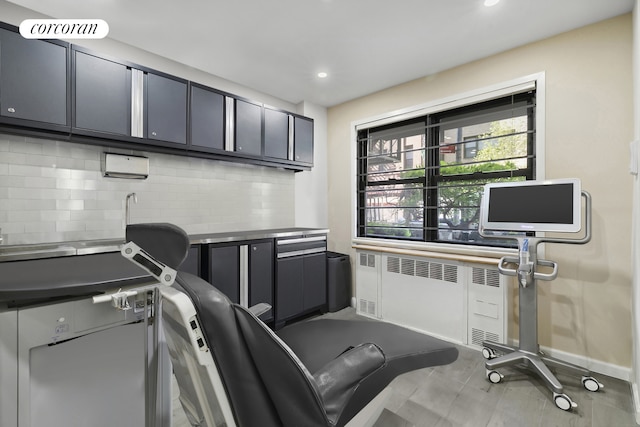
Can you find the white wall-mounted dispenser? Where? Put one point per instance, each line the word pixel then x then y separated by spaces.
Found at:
pixel 125 166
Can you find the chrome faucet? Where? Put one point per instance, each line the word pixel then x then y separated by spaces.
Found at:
pixel 128 206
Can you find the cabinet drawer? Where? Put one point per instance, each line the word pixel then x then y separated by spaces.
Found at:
pixel 297 246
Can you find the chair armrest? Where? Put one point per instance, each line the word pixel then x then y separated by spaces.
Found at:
pixel 259 309
pixel 339 379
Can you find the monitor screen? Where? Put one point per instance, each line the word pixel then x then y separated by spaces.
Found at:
pixel 553 205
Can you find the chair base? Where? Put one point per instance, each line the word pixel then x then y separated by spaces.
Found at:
pixel 539 364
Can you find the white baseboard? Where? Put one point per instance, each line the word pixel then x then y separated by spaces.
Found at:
pixel 636 401
pixel 596 366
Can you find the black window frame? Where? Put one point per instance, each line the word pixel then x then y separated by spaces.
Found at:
pixel 434 180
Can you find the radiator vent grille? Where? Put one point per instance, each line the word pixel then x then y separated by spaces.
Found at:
pixel 435 272
pixel 484 276
pixel 367 260
pixel 367 307
pixel 393 265
pixel 408 267
pixel 424 269
pixel 479 335
pixel 450 273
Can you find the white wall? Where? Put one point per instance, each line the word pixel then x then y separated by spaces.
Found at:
pixel 635 217
pixel 311 186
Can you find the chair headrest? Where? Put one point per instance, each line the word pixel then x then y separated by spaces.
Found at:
pixel 167 243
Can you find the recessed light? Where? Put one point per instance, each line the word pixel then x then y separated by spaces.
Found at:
pixel 490 3
pixel 322 75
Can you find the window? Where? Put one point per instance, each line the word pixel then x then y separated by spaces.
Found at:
pixel 421 179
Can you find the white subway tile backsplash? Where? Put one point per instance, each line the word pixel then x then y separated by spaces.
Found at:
pixel 70 205
pixel 54 190
pixel 39 227
pixel 55 215
pixel 39 182
pixel 63 226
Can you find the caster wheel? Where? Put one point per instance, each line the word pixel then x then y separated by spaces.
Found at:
pixel 494 377
pixel 488 353
pixel 563 402
pixel 591 384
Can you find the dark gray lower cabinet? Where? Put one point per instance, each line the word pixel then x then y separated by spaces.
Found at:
pixel 301 286
pixel 224 273
pixel 243 271
pixel 192 263
pixel 261 276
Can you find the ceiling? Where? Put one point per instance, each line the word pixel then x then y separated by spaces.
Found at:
pixel 278 46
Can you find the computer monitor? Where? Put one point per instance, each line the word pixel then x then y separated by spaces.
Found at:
pixel 530 206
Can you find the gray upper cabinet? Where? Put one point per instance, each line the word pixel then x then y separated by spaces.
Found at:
pixel 166 109
pixel 34 80
pixel 52 88
pixel 276 134
pixel 102 95
pixel 248 128
pixel 303 140
pixel 207 119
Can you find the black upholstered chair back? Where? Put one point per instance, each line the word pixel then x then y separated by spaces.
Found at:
pixel 249 398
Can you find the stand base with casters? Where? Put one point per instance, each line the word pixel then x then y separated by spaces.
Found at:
pixel 538 363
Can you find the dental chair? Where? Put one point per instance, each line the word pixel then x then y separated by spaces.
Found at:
pixel 232 370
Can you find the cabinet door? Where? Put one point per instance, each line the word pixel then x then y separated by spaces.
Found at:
pixel 166 109
pixel 192 263
pixel 248 123
pixel 102 95
pixel 224 262
pixel 33 79
pixel 207 118
pixel 315 281
pixel 261 276
pixel 276 134
pixel 303 140
pixel 289 293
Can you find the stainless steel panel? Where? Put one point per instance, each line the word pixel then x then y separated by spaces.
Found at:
pixel 229 140
pixel 137 103
pixel 244 275
pixel 291 139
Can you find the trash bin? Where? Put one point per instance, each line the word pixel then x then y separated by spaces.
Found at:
pixel 338 281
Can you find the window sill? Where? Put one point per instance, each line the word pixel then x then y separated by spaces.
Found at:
pixel 461 253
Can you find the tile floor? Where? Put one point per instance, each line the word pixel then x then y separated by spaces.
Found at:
pixel 459 395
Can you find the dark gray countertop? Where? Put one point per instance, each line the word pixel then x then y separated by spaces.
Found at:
pixel 86 267
pixel 68 276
